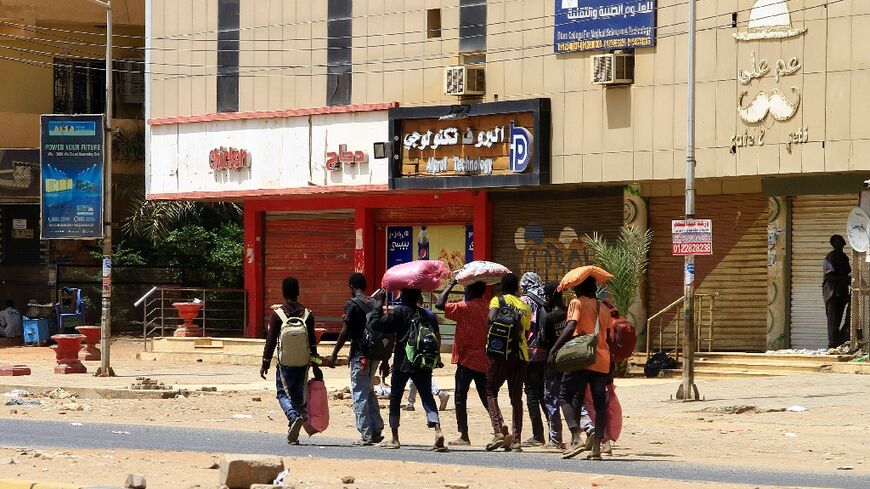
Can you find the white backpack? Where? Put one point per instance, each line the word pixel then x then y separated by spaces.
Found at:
pixel 293 347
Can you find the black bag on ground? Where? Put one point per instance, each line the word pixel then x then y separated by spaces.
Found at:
pixel 658 362
pixel 374 345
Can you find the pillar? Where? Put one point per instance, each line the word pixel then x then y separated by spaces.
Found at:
pixel 635 214
pixel 778 225
pixel 364 244
pixel 253 266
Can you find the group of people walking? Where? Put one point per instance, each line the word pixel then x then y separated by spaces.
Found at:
pixel 543 325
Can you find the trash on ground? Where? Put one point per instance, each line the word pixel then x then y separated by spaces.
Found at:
pixel 17 393
pixel 242 416
pixel 22 402
pixel 58 393
pixel 791 435
pixel 797 409
pixel 146 384
pixel 737 409
pixel 120 432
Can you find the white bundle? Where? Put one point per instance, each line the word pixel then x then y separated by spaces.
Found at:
pixel 481 271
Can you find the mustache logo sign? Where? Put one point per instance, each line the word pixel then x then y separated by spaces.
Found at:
pixel 774 103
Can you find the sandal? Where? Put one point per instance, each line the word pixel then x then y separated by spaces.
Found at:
pixel 508 443
pixel 390 445
pixel 593 456
pixel 496 443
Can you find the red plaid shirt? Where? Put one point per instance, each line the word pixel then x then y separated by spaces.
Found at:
pixel 469 342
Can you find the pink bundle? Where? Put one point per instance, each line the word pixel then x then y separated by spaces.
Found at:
pixel 481 271
pixel 317 410
pixel 613 427
pixel 426 275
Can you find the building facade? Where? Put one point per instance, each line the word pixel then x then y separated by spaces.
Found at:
pixel 781 135
pixel 52 60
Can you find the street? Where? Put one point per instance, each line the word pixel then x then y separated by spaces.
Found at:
pixel 39 434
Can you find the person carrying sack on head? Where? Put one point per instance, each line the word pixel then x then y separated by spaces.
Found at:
pixel 509 323
pixel 586 327
pixel 291 332
pixel 417 353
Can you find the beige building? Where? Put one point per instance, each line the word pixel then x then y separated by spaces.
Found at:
pixel 52 62
pixel 781 128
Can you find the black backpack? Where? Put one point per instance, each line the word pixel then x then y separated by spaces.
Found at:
pixel 422 348
pixel 501 335
pixel 374 345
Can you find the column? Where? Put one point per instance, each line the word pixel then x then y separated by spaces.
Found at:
pixel 778 224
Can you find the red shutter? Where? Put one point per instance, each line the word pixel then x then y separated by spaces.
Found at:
pixel 317 249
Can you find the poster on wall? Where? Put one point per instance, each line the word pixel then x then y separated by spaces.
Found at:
pixel 586 25
pixel 71 161
pixel 19 173
pixel 399 249
pixel 469 243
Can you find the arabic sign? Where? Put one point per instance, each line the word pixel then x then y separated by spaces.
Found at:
pixel 19 173
pixel 72 176
pixel 399 247
pixel 486 145
pixel 692 237
pixel 335 159
pixel 584 25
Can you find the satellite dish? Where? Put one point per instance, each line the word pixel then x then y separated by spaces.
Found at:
pixel 858 230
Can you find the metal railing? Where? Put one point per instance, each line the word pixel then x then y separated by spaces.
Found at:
pixel 669 322
pixel 223 313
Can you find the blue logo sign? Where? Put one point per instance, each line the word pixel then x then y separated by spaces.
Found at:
pixel 399 245
pixel 521 149
pixel 585 25
pixel 71 159
pixel 469 243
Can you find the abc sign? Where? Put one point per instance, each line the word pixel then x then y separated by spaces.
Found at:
pixel 521 149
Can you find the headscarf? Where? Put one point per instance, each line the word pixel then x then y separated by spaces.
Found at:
pixel 531 284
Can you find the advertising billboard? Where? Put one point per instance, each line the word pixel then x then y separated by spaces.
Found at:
pixel 586 25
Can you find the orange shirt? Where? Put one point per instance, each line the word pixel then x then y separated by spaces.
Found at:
pixel 583 310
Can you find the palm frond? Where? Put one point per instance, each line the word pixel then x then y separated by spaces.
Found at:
pixel 627 260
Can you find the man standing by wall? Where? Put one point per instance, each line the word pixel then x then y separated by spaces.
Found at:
pixel 835 288
pixel 10 321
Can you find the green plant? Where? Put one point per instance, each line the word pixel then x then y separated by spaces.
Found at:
pixel 129 144
pixel 215 256
pixel 154 220
pixel 626 260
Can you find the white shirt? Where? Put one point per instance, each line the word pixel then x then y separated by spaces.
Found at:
pixel 10 322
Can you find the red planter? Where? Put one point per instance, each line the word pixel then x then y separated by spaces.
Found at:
pixel 188 311
pixel 90 352
pixel 67 352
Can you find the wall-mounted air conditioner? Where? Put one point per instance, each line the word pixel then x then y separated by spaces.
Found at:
pixel 464 80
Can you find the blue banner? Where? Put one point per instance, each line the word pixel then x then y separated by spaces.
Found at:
pixel 585 25
pixel 71 160
pixel 399 245
pixel 469 243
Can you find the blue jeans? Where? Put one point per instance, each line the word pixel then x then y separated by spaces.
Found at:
pixel 365 402
pixel 290 383
pixel 552 386
pixel 423 380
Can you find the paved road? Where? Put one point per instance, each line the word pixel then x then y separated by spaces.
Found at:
pixel 50 434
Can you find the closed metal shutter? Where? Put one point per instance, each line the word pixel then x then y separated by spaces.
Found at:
pixel 545 235
pixel 814 219
pixel 737 271
pixel 317 249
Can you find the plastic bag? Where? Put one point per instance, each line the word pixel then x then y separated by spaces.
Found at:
pixel 426 275
pixel 318 408
pixel 613 427
pixel 481 271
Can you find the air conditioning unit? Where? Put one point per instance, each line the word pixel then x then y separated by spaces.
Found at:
pixel 462 80
pixel 613 69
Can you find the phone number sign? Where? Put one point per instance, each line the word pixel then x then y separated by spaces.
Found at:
pixel 692 237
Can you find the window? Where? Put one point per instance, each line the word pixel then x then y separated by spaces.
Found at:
pixel 228 56
pixel 339 69
pixel 79 86
pixel 472 26
pixel 433 23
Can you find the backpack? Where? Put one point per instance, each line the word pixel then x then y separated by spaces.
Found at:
pixel 501 336
pixel 293 347
pixel 538 352
pixel 422 348
pixel 374 345
pixel 622 338
pixel 660 360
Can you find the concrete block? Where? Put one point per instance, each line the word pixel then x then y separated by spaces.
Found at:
pixel 14 370
pixel 241 471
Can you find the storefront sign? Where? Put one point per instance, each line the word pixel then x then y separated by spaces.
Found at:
pixel 399 246
pixel 228 159
pixel 19 173
pixel 604 24
pixel 469 243
pixel 335 159
pixel 489 145
pixel 72 176
pixel 692 237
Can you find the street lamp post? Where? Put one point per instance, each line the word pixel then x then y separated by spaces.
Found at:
pixel 687 390
pixel 105 369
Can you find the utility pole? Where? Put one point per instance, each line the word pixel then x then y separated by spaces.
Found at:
pixel 105 369
pixel 688 391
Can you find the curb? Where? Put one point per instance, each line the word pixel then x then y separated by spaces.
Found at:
pixel 25 484
pixel 97 393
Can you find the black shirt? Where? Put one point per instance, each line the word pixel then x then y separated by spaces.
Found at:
pixel 399 323
pixel 837 275
pixel 355 319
